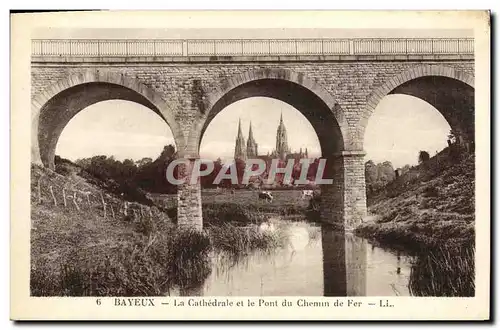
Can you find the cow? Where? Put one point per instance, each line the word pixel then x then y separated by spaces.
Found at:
pixel 266 195
pixel 267 226
pixel 307 193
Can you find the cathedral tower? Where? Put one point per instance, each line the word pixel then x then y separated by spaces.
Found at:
pixel 239 149
pixel 252 147
pixel 281 141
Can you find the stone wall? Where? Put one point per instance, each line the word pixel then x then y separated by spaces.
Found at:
pixel 354 189
pixel 343 203
pixel 189 212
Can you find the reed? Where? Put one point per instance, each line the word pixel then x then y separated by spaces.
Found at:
pixel 143 266
pixel 240 241
pixel 444 272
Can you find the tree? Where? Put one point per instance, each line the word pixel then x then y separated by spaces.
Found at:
pixel 371 173
pixel 452 136
pixel 143 162
pixel 385 173
pixel 423 156
pixel 377 176
pixel 151 176
pixel 405 169
pixel 168 153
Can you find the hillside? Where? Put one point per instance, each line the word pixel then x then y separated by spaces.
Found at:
pixel 70 225
pixel 430 205
pixel 87 240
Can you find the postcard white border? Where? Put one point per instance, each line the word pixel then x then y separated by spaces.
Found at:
pixel 25 307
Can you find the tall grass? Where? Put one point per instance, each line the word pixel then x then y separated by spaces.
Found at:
pixel 243 240
pixel 233 229
pixel 144 266
pixel 233 245
pixel 220 214
pixel 444 271
pixel 138 259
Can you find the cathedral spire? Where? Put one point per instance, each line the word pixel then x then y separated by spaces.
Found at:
pixel 281 140
pixel 252 150
pixel 239 149
pixel 240 133
pixel 250 134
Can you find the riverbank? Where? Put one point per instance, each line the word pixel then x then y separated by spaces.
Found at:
pixel 89 243
pixel 430 206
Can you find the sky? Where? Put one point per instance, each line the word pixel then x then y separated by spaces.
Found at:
pixel 264 113
pixel 122 129
pixel 400 127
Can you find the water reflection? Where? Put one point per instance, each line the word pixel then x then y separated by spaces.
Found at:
pixel 334 262
pixel 387 272
pixel 295 267
pixel 316 261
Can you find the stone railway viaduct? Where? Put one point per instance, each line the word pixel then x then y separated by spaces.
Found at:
pixel 335 83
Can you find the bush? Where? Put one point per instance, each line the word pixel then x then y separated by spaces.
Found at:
pixel 313 211
pixel 314 202
pixel 222 213
pixel 423 157
pixel 430 192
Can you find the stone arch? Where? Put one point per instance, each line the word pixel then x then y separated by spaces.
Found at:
pixel 215 101
pixel 403 78
pixel 344 202
pixel 106 86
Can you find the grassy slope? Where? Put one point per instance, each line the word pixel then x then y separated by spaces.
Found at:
pixel 80 252
pixel 431 205
pixel 55 225
pixel 72 249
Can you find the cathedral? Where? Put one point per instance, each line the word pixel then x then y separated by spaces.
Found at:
pixel 250 149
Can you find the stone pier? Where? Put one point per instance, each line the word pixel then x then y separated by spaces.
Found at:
pixel 343 203
pixel 189 209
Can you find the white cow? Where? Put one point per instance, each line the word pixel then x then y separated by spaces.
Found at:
pixel 267 226
pixel 307 193
pixel 266 195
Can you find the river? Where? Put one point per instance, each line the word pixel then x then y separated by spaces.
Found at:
pixel 316 261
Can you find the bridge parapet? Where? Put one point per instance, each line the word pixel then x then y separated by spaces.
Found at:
pixel 97 48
